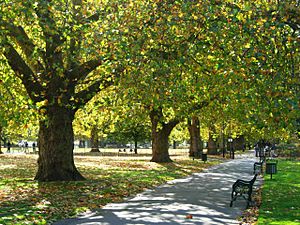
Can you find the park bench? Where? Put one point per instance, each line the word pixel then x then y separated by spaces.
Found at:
pixel 242 188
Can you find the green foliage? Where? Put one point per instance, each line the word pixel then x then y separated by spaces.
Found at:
pixel 17 113
pixel 233 64
pixel 96 113
pixel 281 203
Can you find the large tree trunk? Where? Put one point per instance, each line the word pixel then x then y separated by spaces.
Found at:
pixel 212 145
pixel 160 146
pixel 94 139
pixel 160 137
pixel 56 144
pixel 196 145
pixel 0 139
pixel 239 143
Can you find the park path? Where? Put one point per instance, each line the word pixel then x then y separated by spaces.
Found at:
pixel 205 196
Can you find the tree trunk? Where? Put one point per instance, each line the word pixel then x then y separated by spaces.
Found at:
pixel 135 147
pixel 239 143
pixel 160 137
pixel 212 145
pixel 94 139
pixel 0 139
pixel 56 144
pixel 223 142
pixel 196 146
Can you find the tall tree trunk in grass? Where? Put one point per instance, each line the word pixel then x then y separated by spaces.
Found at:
pixel 94 139
pixel 196 146
pixel 0 139
pixel 160 136
pixel 212 145
pixel 56 142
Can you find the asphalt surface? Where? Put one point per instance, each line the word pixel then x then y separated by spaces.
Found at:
pixel 205 196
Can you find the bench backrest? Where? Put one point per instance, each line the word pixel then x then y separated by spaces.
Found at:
pixel 253 179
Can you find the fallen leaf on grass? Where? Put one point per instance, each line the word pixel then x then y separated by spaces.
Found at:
pixel 189 216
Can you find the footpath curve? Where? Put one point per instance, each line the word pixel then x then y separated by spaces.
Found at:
pixel 205 196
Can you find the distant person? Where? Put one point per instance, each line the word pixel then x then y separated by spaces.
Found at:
pixel 8 146
pixel 256 148
pixel 26 146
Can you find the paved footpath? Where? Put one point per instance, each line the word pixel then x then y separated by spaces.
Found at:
pixel 205 196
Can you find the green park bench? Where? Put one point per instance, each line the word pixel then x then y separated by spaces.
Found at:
pixel 242 188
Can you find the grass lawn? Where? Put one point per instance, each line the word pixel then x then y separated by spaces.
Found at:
pixel 109 179
pixel 281 196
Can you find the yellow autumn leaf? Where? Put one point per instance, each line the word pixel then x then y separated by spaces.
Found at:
pixel 248 45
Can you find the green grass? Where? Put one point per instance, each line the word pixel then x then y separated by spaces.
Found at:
pixel 109 179
pixel 281 196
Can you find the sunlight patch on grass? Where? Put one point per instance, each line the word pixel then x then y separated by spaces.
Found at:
pixel 6 167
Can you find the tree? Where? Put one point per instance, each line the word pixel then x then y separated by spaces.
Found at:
pixel 59 50
pixel 196 144
pixel 131 125
pixel 95 119
pixel 158 72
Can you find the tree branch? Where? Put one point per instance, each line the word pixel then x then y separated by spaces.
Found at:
pixel 52 34
pixel 22 39
pixel 23 71
pixel 80 72
pixel 82 97
pixel 170 125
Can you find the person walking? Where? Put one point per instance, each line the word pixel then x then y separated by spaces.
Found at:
pixel 26 146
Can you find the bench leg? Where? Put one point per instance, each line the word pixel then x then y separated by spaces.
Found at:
pixel 233 197
pixel 231 202
pixel 249 198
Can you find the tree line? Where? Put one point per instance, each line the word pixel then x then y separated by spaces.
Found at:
pixel 172 61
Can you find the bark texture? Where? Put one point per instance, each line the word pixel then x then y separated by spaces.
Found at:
pixel 94 139
pixel 160 136
pixel 196 145
pixel 56 144
pixel 0 139
pixel 212 145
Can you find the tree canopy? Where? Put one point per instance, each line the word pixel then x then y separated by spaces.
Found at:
pixel 175 59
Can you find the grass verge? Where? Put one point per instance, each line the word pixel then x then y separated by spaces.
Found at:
pixel 109 179
pixel 281 196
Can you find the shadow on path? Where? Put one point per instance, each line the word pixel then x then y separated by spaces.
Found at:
pixel 205 196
